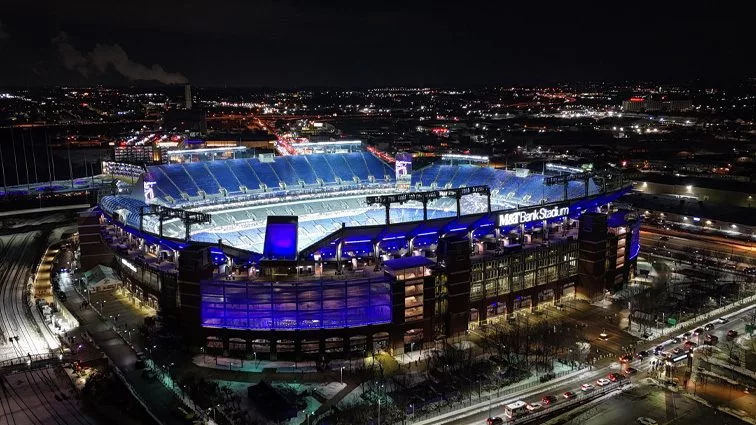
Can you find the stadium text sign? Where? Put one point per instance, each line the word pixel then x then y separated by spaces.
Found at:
pixel 538 214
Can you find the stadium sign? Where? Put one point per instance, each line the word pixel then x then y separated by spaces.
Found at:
pixel 528 216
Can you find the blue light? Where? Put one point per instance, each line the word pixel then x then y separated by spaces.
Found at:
pixel 427 233
pixel 280 238
pixel 359 241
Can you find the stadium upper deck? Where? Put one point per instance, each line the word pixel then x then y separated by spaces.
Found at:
pixel 323 190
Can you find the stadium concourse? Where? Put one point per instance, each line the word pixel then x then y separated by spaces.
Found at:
pixel 323 190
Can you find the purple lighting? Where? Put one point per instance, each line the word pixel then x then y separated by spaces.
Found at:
pixel 281 238
pixel 295 305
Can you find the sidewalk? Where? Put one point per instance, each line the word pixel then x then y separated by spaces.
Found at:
pixel 162 401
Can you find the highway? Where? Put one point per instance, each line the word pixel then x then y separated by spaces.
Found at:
pixel 738 251
pixel 19 332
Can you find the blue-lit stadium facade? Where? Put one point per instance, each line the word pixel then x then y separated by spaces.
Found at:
pixel 347 293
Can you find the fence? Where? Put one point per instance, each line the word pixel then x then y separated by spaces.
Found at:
pixel 716 313
pixel 579 399
pixel 492 397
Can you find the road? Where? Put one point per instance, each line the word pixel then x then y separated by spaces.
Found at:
pixel 684 243
pixel 590 376
pixel 161 400
pixel 18 252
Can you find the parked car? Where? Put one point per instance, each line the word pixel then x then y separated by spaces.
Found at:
pixel 689 345
pixel 677 350
pixel 495 421
pixel 711 339
pixel 687 335
pixel 698 331
pixel 731 334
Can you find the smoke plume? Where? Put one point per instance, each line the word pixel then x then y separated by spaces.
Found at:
pixel 104 56
pixel 3 34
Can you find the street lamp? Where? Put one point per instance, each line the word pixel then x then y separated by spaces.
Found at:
pixel 341 374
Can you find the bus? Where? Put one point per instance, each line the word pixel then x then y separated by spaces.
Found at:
pixel 516 409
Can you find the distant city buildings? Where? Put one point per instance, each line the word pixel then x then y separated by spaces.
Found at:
pixel 648 104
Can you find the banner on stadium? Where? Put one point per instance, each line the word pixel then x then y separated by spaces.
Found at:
pixel 403 169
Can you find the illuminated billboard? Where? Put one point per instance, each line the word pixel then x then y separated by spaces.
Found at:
pixel 149 191
pixel 529 216
pixel 280 238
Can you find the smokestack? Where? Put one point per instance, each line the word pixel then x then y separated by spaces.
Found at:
pixel 188 97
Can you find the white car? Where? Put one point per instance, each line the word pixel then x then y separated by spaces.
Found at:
pixel 603 381
pixel 586 387
pixel 532 407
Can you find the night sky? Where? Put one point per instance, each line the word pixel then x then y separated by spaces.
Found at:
pixel 364 44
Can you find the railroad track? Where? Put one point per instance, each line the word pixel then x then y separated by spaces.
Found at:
pixel 16 252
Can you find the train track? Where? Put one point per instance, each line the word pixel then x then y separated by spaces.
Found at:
pixel 20 335
pixel 37 398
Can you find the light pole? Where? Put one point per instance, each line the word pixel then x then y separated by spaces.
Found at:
pixel 341 374
pixel 379 411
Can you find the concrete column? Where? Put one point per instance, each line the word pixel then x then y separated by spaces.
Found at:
pixel 369 341
pixel 224 338
pixel 273 347
pixel 298 346
pixel 339 247
pixel 345 347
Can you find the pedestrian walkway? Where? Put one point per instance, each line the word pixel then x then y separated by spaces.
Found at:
pixel 161 400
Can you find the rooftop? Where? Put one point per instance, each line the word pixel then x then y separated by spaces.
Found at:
pixel 408 262
pixel 693 208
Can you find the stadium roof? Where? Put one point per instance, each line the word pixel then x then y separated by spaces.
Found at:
pixel 408 262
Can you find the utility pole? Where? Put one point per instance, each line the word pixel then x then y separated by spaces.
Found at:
pixel 34 156
pixel 15 159
pixel 26 163
pixel 2 165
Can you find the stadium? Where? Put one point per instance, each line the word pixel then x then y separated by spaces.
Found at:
pixel 344 253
